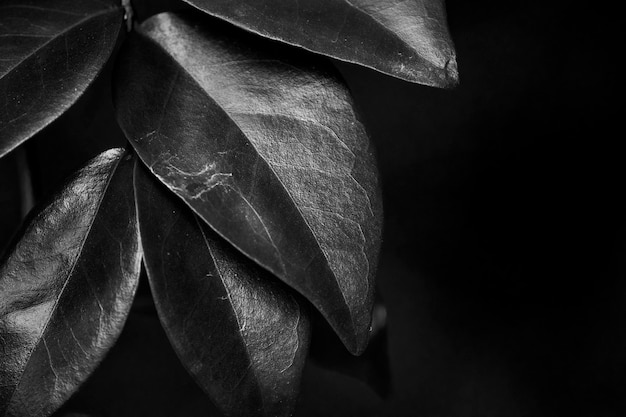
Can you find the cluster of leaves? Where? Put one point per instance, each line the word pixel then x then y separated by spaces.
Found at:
pixel 249 190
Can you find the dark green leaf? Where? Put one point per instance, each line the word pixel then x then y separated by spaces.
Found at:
pixel 269 153
pixel 237 329
pixel 66 288
pixel 405 39
pixel 50 51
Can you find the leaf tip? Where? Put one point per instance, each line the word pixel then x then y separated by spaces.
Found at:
pixel 451 72
pixel 441 74
pixel 358 341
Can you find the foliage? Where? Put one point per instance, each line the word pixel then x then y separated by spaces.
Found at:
pixel 249 189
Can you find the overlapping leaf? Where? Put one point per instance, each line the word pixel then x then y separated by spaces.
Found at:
pixel 237 329
pixel 66 288
pixel 269 153
pixel 49 53
pixel 405 39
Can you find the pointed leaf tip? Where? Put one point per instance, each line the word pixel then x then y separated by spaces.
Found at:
pixel 405 39
pixel 50 52
pixel 274 143
pixel 240 333
pixel 67 287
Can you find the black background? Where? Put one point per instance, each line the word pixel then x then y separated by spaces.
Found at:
pixel 503 258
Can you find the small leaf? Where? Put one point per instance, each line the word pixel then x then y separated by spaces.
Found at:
pixel 50 51
pixel 269 153
pixel 404 39
pixel 236 329
pixel 67 287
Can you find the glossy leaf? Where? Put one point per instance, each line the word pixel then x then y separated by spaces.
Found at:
pixel 67 287
pixel 50 51
pixel 269 153
pixel 237 330
pixel 405 39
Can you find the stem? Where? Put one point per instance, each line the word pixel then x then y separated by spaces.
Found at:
pixel 27 197
pixel 128 14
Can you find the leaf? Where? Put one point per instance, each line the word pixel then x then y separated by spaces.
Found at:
pixel 66 288
pixel 237 330
pixel 404 39
pixel 50 51
pixel 269 153
pixel 141 376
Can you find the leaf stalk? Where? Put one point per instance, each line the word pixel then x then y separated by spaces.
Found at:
pixel 128 14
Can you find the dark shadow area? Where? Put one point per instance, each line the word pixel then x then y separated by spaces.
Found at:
pixel 503 267
pixel 503 260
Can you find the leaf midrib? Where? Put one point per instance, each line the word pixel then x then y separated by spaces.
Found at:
pixel 230 300
pixel 56 36
pixel 69 277
pixel 408 77
pixel 317 244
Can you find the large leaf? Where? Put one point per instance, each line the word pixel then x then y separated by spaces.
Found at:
pixel 50 51
pixel 405 39
pixel 269 153
pixel 66 288
pixel 237 329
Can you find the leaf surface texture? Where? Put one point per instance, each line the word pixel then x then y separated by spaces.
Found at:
pixel 67 287
pixel 270 153
pixel 50 51
pixel 238 330
pixel 408 39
